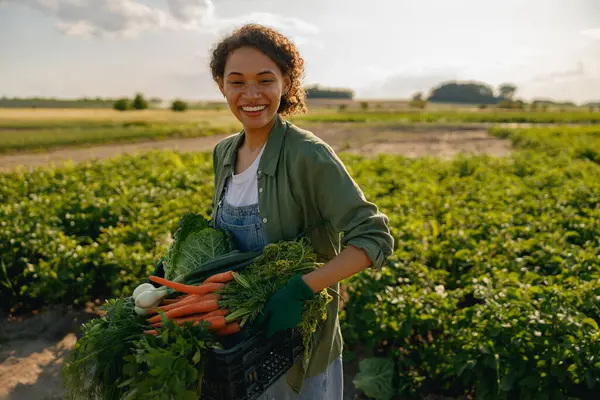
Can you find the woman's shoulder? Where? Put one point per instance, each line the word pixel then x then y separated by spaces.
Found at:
pixel 304 142
pixel 223 145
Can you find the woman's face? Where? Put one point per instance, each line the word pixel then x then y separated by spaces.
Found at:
pixel 253 85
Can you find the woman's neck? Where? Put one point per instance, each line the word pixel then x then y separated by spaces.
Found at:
pixel 257 137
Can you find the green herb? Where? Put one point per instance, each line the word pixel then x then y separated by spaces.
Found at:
pixel 169 365
pixel 247 295
pixel 94 369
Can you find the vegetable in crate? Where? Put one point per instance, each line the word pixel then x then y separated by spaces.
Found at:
pixel 247 296
pixel 124 355
pixel 94 368
pixel 194 244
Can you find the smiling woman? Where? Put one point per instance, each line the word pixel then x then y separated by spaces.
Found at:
pixel 274 182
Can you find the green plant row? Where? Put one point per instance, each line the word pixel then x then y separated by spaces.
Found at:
pixel 493 289
pixel 579 142
pixel 73 234
pixel 551 117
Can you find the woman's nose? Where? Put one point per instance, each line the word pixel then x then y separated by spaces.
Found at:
pixel 252 91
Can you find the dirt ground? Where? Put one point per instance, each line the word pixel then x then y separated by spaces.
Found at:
pixel 32 351
pixel 411 141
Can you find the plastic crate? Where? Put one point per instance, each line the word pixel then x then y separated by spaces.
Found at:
pixel 251 365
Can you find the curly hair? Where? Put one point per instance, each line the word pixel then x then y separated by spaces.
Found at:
pixel 278 48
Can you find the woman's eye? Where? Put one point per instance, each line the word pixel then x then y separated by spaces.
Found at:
pixel 266 81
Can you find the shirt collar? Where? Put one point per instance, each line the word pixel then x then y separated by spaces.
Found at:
pixel 270 156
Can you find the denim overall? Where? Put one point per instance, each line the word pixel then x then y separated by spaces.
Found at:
pixel 248 233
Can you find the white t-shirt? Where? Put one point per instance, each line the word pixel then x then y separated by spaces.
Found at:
pixel 242 189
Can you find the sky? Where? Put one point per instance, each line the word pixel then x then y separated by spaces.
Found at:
pixel 379 48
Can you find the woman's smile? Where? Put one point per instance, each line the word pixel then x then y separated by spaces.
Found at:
pixel 253 111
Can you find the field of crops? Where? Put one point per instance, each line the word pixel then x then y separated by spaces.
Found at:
pixel 32 129
pixel 492 291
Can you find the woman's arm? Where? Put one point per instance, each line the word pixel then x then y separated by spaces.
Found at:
pixel 350 261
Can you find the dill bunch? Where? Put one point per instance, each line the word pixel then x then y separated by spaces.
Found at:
pixel 246 296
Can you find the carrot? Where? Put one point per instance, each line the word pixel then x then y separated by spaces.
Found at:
pixel 196 317
pixel 190 299
pixel 223 277
pixel 188 309
pixel 229 329
pixel 166 302
pixel 151 332
pixel 216 323
pixel 180 287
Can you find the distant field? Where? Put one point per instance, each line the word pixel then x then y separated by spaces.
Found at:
pixel 41 129
pixel 35 129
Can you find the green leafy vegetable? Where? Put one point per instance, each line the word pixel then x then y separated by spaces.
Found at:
pixel 169 365
pixel 375 378
pixel 195 243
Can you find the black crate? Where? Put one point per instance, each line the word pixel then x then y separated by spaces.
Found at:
pixel 250 364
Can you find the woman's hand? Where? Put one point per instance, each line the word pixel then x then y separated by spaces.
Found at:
pixel 284 308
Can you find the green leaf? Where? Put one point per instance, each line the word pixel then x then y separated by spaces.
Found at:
pixel 531 381
pixel 590 322
pixel 507 382
pixel 589 380
pixel 196 358
pixel 375 378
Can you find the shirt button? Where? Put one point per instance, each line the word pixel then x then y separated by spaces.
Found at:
pixel 264 220
pixel 260 190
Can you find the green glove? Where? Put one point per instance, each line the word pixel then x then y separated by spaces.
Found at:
pixel 284 308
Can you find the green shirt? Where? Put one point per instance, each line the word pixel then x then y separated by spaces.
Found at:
pixel 304 188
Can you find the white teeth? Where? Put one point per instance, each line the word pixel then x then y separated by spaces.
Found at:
pixel 254 109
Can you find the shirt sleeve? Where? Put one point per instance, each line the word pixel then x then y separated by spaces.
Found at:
pixel 343 205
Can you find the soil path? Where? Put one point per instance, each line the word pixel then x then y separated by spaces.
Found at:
pixel 416 141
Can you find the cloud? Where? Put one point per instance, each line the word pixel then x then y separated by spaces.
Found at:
pixel 99 17
pixel 575 72
pixel 130 17
pixel 592 33
pixel 191 10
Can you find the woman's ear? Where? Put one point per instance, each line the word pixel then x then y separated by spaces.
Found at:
pixel 287 85
pixel 221 86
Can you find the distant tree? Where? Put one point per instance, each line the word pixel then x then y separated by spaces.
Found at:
pixel 139 102
pixel 507 91
pixel 179 105
pixel 417 101
pixel 122 104
pixel 318 92
pixel 364 105
pixel 463 92
pixel 342 107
